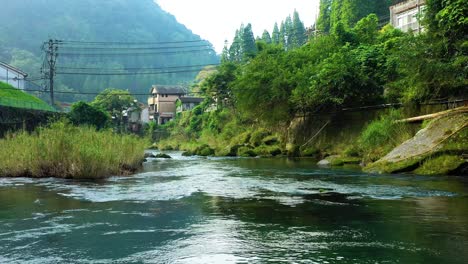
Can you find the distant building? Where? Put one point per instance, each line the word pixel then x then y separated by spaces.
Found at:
pixel 12 76
pixel 187 103
pixel 136 117
pixel 404 15
pixel 162 102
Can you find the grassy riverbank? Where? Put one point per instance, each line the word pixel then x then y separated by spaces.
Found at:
pixel 65 151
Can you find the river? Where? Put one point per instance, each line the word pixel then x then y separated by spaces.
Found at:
pixel 234 210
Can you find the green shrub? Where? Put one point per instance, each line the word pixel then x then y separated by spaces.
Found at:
pixel 85 114
pixel 65 151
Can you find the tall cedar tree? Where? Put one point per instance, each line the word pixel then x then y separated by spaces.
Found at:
pixel 275 35
pixel 299 33
pixel 266 37
pixel 249 48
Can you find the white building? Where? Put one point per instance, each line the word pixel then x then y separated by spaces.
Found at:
pixel 405 15
pixel 12 76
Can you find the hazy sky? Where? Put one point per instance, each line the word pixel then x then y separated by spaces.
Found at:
pixel 217 20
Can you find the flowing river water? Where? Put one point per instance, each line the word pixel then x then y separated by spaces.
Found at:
pixel 221 210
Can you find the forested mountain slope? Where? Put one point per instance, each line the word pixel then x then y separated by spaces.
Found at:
pixel 26 24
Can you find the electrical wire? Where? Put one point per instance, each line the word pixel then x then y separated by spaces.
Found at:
pixel 132 54
pixel 123 73
pixel 73 42
pixel 133 48
pixel 126 69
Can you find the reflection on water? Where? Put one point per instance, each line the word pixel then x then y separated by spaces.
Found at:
pixel 197 210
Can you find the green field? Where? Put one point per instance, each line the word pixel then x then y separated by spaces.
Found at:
pixel 9 96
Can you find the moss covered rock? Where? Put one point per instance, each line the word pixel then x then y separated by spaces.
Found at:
pixel 310 152
pixel 270 140
pixel 444 164
pixel 162 156
pixel 204 151
pixel 258 136
pixel 246 151
pixel 447 135
pixel 264 150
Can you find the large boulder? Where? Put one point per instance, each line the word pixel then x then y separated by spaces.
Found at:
pixel 446 136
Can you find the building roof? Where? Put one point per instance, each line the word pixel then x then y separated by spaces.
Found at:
pixel 11 68
pixel 168 89
pixel 191 99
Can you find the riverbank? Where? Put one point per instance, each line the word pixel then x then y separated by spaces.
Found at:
pixel 379 138
pixel 62 150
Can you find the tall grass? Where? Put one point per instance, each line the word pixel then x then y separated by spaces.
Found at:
pixel 384 134
pixel 65 151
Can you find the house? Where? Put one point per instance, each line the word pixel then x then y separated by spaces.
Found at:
pixel 162 102
pixel 136 116
pixel 187 103
pixel 12 76
pixel 404 15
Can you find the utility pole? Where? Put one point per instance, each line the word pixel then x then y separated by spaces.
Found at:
pixel 51 58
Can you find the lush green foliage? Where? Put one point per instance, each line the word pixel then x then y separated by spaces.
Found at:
pixel 348 12
pixel 65 151
pixel 356 64
pixel 113 100
pixel 85 114
pixel 90 20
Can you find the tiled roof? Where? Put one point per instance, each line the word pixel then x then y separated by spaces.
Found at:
pixel 168 89
pixel 191 99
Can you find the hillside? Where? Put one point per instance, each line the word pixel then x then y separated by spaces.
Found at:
pixel 26 24
pixel 9 96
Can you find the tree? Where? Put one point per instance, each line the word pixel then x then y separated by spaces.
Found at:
pixel 275 35
pixel 288 33
pixel 366 29
pixel 262 88
pixel 217 86
pixel 86 114
pixel 447 22
pixel 249 49
pixel 323 21
pixel 298 31
pixel 282 34
pixel 266 37
pixel 225 53
pixel 114 102
pixel 235 51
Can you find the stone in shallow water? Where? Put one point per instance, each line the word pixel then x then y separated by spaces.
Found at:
pixel 162 156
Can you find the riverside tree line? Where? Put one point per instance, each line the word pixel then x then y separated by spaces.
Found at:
pixel 348 60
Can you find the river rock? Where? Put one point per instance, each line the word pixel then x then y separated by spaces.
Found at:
pixel 324 163
pixel 163 156
pixel 149 155
pixel 444 135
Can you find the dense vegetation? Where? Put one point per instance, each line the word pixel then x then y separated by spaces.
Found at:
pixel 65 151
pixel 350 62
pixel 27 24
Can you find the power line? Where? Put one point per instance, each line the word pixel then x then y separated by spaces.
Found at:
pixel 73 42
pixel 132 54
pixel 125 69
pixel 122 73
pixel 133 48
